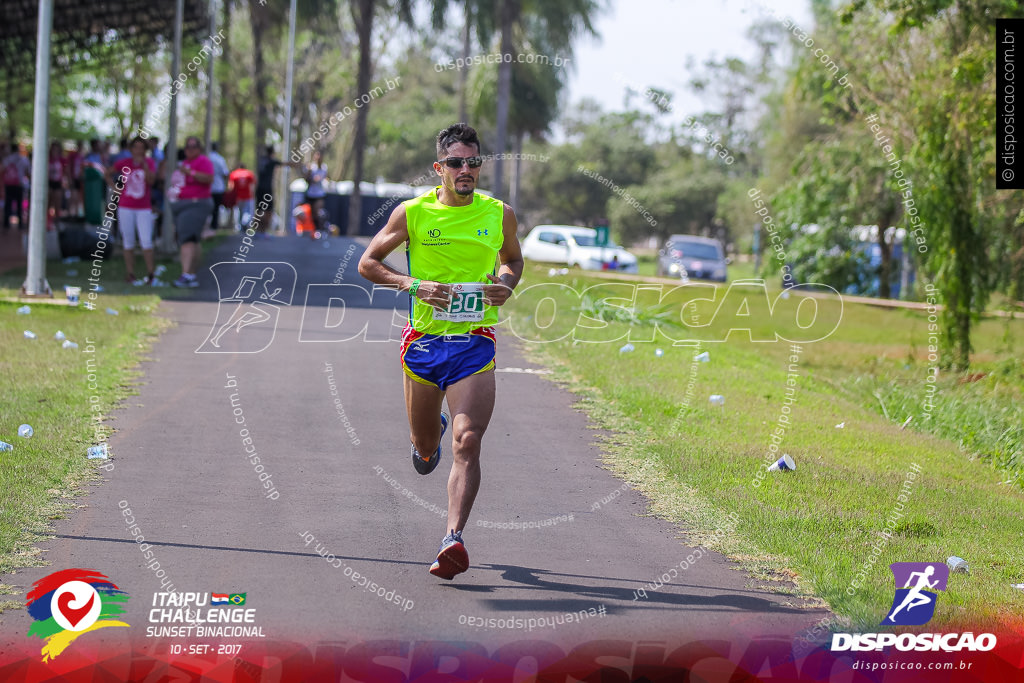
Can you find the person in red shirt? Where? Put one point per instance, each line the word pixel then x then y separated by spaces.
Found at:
pixel 192 209
pixel 242 181
pixel 132 179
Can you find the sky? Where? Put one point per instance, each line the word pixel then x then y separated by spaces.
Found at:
pixel 646 43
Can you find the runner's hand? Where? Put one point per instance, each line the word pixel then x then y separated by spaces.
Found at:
pixel 496 294
pixel 437 294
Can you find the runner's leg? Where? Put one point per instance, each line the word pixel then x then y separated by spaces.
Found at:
pixel 471 401
pixel 423 406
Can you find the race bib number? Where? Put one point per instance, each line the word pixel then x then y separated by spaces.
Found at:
pixel 467 304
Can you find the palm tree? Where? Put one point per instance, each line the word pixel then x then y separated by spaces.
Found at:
pixel 267 19
pixel 556 24
pixel 362 14
pixel 534 105
pixel 478 13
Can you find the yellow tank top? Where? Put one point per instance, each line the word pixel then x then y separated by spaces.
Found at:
pixel 456 245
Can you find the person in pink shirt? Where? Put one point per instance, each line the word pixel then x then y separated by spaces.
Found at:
pixel 75 166
pixel 55 178
pixel 132 178
pixel 192 209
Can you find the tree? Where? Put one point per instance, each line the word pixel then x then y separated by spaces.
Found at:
pixel 610 144
pixel 362 14
pixel 559 23
pixel 941 122
pixel 535 93
pixel 478 13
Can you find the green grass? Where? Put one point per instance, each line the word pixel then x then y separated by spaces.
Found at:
pixel 815 526
pixel 48 387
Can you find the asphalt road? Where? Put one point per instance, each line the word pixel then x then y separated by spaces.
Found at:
pixel 345 486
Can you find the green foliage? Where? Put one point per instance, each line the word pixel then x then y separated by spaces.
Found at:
pixel 985 417
pixel 598 308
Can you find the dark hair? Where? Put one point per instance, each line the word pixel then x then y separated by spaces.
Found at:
pixel 213 145
pixel 455 133
pixel 138 138
pixel 122 143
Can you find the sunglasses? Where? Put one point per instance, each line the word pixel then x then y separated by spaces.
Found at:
pixel 456 162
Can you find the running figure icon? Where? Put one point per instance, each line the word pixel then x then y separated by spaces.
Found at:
pixel 915 597
pixel 253 305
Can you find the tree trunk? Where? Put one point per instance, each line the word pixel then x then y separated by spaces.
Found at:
pixel 259 76
pixel 887 217
pixel 464 73
pixel 509 11
pixel 516 174
pixel 225 83
pixel 240 112
pixel 362 14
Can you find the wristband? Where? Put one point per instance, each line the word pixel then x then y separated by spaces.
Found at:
pixel 414 287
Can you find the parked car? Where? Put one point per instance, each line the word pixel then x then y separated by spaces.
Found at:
pixel 700 258
pixel 575 247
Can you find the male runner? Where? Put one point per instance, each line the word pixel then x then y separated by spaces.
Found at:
pixel 454 238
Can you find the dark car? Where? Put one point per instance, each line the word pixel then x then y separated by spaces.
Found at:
pixel 691 257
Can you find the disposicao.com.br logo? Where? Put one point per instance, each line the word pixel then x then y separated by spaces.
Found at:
pixel 71 603
pixel 913 605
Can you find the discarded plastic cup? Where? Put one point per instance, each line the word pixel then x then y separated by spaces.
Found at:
pixel 59 336
pixel 563 271
pixel 626 349
pixel 4 446
pixel 160 270
pixel 957 565
pixel 659 353
pixel 98 452
pixel 717 399
pixel 552 272
pixel 29 334
pixel 25 431
pixel 72 294
pixel 68 344
pixel 24 310
pixel 841 425
pixel 112 311
pixel 783 464
pixel 702 357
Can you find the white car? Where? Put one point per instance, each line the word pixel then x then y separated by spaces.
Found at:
pixel 574 246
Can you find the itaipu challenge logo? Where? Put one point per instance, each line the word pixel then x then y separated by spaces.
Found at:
pixel 70 603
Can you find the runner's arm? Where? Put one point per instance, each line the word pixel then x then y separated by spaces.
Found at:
pixel 511 256
pixel 373 268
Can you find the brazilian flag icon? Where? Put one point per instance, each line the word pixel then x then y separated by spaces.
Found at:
pixel 237 598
